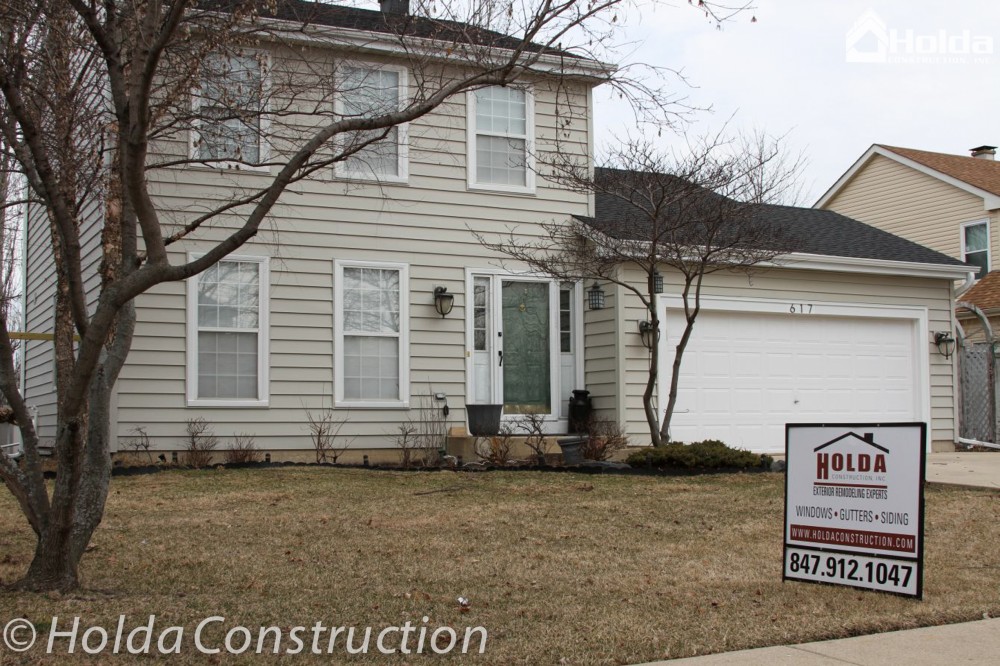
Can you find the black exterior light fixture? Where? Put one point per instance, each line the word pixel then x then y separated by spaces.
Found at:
pixel 443 301
pixel 657 282
pixel 648 333
pixel 945 343
pixel 595 297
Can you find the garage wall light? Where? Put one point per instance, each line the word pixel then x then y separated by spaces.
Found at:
pixel 648 333
pixel 657 282
pixel 945 343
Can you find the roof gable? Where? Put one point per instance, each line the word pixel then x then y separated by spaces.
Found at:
pixel 979 177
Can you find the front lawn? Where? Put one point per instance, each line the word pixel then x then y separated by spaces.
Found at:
pixel 559 568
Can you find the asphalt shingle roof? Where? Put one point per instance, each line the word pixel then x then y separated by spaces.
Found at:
pixel 304 12
pixel 981 173
pixel 807 230
pixel 985 293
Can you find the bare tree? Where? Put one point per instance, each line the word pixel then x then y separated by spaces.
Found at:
pixel 688 213
pixel 98 101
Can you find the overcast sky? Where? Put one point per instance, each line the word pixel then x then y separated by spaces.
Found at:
pixel 934 82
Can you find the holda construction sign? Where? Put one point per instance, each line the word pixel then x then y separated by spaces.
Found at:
pixel 854 505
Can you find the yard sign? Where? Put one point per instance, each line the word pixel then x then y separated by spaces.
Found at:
pixel 854 505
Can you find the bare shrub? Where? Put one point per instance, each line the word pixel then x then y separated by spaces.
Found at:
pixel 408 443
pixel 243 450
pixel 200 444
pixel 605 438
pixel 432 430
pixel 324 430
pixel 495 450
pixel 139 444
pixel 533 425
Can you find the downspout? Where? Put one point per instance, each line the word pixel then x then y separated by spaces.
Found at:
pixel 988 331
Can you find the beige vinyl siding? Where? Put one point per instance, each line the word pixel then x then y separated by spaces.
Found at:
pixel 427 223
pixel 911 204
pixel 797 286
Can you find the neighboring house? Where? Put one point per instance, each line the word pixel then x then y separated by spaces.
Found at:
pixel 335 308
pixel 950 203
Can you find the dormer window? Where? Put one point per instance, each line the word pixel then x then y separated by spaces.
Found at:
pixel 976 245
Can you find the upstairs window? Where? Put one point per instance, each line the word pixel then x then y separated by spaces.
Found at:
pixel 369 92
pixel 976 246
pixel 501 138
pixel 230 107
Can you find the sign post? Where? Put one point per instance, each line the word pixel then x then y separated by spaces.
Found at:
pixel 854 505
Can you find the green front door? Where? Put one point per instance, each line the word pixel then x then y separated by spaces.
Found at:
pixel 526 362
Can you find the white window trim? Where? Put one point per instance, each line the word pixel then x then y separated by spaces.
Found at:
pixel 404 336
pixel 340 169
pixel 263 337
pixel 529 145
pixel 989 241
pixel 265 124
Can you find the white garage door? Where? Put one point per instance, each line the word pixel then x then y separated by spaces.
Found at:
pixel 744 375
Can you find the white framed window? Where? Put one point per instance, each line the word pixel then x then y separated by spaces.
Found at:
pixel 976 245
pixel 227 334
pixel 371 322
pixel 230 106
pixel 367 90
pixel 501 138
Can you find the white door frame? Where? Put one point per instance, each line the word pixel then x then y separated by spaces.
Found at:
pixel 554 423
pixel 918 316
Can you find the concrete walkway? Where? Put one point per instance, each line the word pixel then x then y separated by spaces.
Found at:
pixel 971 643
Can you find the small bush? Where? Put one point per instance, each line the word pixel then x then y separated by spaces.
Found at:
pixel 604 438
pixel 709 454
pixel 496 450
pixel 243 450
pixel 200 443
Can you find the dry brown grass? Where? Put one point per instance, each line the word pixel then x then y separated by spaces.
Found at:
pixel 560 568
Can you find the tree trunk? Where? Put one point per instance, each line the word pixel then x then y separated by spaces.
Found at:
pixel 54 567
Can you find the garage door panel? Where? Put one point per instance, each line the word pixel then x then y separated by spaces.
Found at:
pixel 747 374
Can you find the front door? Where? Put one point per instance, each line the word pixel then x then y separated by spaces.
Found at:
pixel 520 330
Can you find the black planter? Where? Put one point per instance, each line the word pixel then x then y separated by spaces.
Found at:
pixel 484 420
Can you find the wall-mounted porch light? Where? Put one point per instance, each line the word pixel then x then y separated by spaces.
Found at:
pixel 657 282
pixel 945 343
pixel 648 333
pixel 595 297
pixel 443 301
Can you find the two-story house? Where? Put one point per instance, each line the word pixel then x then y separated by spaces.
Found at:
pixel 370 294
pixel 950 203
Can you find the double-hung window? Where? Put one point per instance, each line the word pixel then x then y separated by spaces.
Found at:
pixel 501 138
pixel 229 110
pixel 976 245
pixel 369 92
pixel 227 334
pixel 371 317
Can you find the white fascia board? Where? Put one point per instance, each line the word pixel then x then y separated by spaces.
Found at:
pixel 990 201
pixel 822 262
pixel 386 44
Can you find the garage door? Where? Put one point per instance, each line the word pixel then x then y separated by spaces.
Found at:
pixel 746 374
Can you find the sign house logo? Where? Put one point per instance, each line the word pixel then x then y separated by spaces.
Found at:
pixel 851 465
pixel 871 40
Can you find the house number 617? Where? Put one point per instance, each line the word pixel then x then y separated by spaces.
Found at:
pixel 801 308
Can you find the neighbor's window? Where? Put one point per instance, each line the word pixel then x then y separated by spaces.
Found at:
pixel 368 92
pixel 373 360
pixel 501 138
pixel 227 333
pixel 976 246
pixel 230 109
